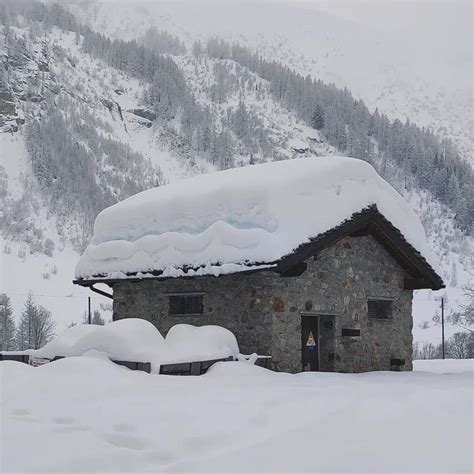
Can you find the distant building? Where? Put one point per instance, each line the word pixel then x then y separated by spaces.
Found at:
pixel 276 254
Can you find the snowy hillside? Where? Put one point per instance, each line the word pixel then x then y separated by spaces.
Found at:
pixel 379 50
pixel 84 128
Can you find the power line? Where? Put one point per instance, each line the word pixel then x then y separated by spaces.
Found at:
pixel 52 296
pixel 434 300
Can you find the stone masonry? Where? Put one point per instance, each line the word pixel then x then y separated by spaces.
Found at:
pixel 264 310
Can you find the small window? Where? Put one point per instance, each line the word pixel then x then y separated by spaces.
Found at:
pixel 379 308
pixel 186 305
pixel 347 332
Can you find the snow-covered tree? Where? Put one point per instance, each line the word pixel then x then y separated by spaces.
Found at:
pixel 317 120
pixel 36 326
pixel 95 319
pixel 7 324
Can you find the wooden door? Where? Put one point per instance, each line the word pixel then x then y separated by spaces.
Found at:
pixel 310 343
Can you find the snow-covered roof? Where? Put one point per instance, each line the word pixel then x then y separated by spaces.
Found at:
pixel 239 219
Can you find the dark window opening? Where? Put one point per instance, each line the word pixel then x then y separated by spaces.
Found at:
pixel 186 304
pixel 347 332
pixel 379 309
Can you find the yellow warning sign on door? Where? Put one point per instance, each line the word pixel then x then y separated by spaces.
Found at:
pixel 310 342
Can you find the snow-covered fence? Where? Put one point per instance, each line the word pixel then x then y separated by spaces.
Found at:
pixel 190 368
pixel 31 360
pixel 132 365
pixel 183 368
pixel 25 358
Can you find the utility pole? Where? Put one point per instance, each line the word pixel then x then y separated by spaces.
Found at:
pixel 90 320
pixel 442 324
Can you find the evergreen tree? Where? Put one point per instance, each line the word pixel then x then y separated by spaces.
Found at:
pixel 317 120
pixel 7 324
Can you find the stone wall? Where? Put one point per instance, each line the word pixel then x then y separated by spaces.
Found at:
pixel 338 282
pixel 264 310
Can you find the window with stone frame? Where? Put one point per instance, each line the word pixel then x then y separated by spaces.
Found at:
pixel 380 308
pixel 186 304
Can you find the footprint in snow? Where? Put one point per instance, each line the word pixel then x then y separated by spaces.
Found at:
pixel 122 440
pixel 123 427
pixel 23 415
pixel 20 412
pixel 63 420
pixel 160 457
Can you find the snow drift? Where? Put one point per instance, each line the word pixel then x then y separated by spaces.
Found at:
pixel 139 340
pixel 127 339
pixel 225 221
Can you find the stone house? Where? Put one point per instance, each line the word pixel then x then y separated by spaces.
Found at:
pixel 341 301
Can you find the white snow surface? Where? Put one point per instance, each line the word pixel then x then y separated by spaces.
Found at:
pixel 221 222
pixel 84 414
pixel 138 340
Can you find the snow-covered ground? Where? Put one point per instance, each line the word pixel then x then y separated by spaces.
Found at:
pixel 88 415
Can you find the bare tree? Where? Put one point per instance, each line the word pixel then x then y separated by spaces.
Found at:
pixel 426 350
pixel 96 318
pixel 36 327
pixel 464 318
pixel 460 345
pixel 42 330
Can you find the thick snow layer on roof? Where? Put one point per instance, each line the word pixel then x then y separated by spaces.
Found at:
pixel 221 222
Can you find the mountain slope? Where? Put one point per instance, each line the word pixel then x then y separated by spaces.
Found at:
pixel 404 67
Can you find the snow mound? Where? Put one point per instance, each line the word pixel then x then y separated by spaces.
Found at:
pixel 241 369
pixel 185 343
pixel 126 339
pixel 225 221
pixel 138 340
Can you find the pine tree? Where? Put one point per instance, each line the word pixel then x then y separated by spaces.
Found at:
pixel 7 324
pixel 317 120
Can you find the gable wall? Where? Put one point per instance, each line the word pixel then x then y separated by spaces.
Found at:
pixel 264 310
pixel 339 281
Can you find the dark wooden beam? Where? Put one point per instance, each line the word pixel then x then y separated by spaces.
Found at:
pixel 295 271
pixel 100 292
pixel 414 283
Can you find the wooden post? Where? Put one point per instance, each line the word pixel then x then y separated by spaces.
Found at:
pixel 89 311
pixel 442 324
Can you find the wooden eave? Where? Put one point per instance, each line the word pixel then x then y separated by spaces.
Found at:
pixel 370 222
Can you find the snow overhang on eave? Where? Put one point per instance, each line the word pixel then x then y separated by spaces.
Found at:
pixel 420 275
